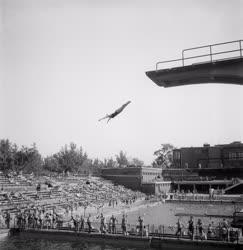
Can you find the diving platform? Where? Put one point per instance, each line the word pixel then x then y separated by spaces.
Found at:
pixel 215 63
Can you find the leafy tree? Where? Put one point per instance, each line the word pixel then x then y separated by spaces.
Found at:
pixel 51 164
pixel 110 163
pixel 136 162
pixel 96 165
pixel 7 155
pixel 28 159
pixel 70 158
pixel 122 159
pixel 164 156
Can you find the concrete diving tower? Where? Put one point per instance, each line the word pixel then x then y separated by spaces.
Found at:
pixel 213 65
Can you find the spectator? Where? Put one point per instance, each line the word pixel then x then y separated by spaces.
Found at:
pixel 102 224
pixel 89 223
pixel 191 228
pixel 123 225
pixel 7 219
pixel 81 223
pixel 210 231
pixel 113 224
pixel 140 224
pixel 200 228
pixel 179 228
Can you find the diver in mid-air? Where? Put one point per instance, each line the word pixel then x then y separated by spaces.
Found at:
pixel 117 112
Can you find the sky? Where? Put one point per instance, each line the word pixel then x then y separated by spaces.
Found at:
pixel 66 63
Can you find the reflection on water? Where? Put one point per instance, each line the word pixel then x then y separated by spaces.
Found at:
pixel 17 243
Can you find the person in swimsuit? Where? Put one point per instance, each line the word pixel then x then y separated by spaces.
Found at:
pixel 117 112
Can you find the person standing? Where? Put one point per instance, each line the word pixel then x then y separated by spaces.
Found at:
pixel 210 231
pixel 140 224
pixel 200 228
pixel 102 223
pixel 124 224
pixel 113 224
pixel 224 229
pixel 7 219
pixel 179 228
pixel 191 228
pixel 89 223
pixel 75 223
pixel 82 223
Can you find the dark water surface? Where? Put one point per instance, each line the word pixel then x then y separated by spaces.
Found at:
pixel 18 243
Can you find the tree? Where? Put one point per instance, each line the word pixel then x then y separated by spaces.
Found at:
pixel 110 163
pixel 28 159
pixel 51 164
pixel 164 156
pixel 136 162
pixel 70 158
pixel 7 155
pixel 122 159
pixel 95 166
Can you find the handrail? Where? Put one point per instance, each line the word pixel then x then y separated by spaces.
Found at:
pixel 179 231
pixel 211 54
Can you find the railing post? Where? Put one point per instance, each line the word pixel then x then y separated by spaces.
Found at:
pixel 240 49
pixel 211 57
pixel 183 58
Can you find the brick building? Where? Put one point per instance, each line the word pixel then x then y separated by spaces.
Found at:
pixel 206 165
pixel 218 156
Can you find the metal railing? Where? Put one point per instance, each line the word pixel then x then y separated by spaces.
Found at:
pixel 215 233
pixel 209 54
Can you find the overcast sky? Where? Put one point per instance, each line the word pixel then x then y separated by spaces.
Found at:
pixel 66 63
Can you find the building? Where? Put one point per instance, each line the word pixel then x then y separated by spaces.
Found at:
pixel 219 166
pixel 226 156
pixel 156 187
pixel 145 179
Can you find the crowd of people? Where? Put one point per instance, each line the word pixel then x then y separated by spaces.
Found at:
pixel 69 195
pixel 39 218
pixel 223 231
pixel 42 219
pixel 75 196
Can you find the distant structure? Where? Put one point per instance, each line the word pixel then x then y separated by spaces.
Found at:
pixel 201 168
pixel 214 63
pixel 194 169
pixel 146 179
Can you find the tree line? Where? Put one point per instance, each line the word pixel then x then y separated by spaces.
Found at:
pixel 69 158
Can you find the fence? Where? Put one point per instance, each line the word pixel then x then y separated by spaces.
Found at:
pixel 207 197
pixel 209 53
pixel 205 233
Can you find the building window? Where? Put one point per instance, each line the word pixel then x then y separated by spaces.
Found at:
pixel 177 155
pixel 240 155
pixel 232 155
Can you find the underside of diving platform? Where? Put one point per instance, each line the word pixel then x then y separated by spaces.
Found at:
pixel 229 71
